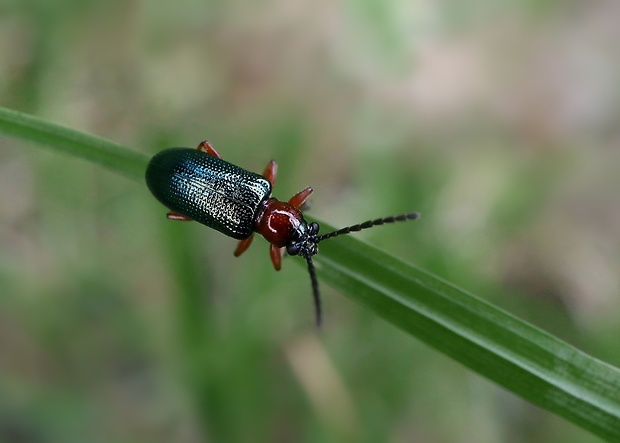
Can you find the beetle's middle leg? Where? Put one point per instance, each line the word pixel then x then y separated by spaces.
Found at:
pixel 243 245
pixel 206 146
pixel 271 172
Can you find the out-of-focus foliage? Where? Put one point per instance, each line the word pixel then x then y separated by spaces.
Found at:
pixel 497 121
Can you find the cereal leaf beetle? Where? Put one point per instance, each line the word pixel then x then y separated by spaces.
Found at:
pixel 196 184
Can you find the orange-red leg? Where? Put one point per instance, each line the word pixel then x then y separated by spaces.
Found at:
pixel 243 245
pixel 300 198
pixel 276 256
pixel 206 146
pixel 271 172
pixel 176 216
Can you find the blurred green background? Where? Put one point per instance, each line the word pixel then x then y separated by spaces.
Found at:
pixel 497 120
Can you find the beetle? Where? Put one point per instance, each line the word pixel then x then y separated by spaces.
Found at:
pixel 197 184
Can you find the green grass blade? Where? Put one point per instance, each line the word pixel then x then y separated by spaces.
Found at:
pixel 516 355
pixel 75 143
pixel 531 363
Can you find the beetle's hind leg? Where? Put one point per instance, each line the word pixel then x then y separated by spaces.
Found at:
pixel 206 147
pixel 176 216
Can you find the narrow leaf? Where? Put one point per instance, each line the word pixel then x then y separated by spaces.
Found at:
pixel 69 141
pixel 516 355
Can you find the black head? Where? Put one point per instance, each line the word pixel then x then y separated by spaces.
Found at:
pixel 305 242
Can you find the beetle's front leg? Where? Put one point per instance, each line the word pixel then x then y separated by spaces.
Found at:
pixel 275 254
pixel 300 198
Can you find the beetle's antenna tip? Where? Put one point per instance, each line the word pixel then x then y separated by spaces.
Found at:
pixel 315 290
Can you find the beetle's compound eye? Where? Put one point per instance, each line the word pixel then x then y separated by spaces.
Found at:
pixel 313 229
pixel 292 248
